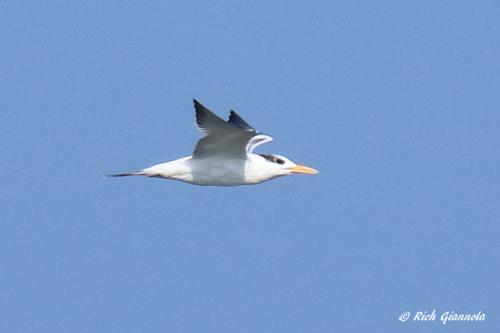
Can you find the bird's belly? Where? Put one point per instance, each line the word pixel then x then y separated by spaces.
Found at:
pixel 218 172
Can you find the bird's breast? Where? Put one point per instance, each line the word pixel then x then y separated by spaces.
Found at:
pixel 218 171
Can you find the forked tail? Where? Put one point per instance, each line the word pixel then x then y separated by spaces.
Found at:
pixel 126 174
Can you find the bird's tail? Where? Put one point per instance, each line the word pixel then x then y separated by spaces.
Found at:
pixel 125 174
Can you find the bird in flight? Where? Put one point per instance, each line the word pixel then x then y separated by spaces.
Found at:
pixel 224 156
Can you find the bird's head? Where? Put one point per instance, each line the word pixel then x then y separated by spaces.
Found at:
pixel 278 165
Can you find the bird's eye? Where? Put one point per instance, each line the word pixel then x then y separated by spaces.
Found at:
pixel 280 161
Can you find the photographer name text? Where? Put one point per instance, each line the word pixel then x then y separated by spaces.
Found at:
pixel 445 317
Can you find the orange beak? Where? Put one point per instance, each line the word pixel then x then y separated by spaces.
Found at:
pixel 303 169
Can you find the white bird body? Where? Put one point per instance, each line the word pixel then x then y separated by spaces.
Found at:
pixel 212 171
pixel 178 169
pixel 223 157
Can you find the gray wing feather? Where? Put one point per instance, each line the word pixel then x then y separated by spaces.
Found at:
pixel 221 138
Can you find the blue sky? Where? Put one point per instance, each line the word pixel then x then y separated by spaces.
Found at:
pixel 396 103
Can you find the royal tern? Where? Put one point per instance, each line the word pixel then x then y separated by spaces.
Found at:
pixel 224 156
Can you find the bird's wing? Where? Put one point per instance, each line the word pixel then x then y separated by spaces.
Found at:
pixel 207 121
pixel 237 121
pixel 255 141
pixel 227 139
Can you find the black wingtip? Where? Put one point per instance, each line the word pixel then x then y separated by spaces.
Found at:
pixel 200 112
pixel 237 121
pixel 199 108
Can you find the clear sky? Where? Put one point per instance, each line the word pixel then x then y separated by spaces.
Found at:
pixel 396 103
